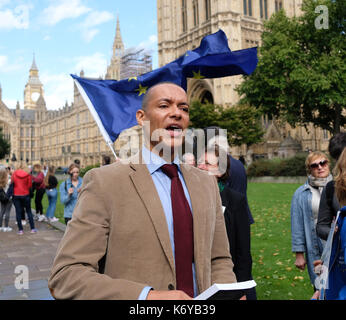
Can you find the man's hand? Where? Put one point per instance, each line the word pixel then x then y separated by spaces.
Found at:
pixel 168 295
pixel 300 261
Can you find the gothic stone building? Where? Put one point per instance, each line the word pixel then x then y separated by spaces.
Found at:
pixel 59 137
pixel 181 26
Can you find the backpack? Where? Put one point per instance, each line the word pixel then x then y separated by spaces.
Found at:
pixel 4 198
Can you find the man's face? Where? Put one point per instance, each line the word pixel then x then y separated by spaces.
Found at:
pixel 167 113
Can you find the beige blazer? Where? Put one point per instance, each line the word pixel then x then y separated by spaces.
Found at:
pixel 118 242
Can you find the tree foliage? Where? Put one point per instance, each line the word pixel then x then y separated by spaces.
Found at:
pixel 4 146
pixel 301 72
pixel 241 121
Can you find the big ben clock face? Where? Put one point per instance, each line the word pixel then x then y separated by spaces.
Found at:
pixel 35 96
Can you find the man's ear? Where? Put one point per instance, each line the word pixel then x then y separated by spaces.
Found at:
pixel 140 115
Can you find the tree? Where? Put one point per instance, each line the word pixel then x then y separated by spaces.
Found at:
pixel 4 146
pixel 204 114
pixel 243 125
pixel 301 72
pixel 241 121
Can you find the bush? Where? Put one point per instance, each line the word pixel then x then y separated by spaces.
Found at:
pixel 84 170
pixel 290 167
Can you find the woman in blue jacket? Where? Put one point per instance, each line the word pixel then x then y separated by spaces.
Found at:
pixel 306 244
pixel 69 191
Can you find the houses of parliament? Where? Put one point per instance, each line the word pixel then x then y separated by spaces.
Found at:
pixel 62 136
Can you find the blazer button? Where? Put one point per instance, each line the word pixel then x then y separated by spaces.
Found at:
pixel 171 287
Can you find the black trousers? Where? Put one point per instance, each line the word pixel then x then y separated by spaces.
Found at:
pixel 38 200
pixel 21 203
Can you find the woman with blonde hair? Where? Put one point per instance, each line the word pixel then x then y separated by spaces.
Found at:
pixel 6 191
pixel 306 244
pixel 51 183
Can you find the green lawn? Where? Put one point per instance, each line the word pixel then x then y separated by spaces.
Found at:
pixel 274 271
pixel 273 262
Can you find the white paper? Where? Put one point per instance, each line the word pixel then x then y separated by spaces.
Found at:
pixel 225 286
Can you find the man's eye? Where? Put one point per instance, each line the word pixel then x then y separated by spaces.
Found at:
pixel 185 109
pixel 163 106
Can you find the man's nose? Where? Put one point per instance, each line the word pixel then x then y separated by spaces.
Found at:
pixel 176 112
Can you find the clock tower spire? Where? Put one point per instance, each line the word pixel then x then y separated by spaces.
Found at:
pixel 34 88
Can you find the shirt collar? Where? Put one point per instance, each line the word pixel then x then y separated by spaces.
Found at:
pixel 155 162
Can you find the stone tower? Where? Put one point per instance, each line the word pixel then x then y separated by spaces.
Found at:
pixel 113 70
pixel 33 89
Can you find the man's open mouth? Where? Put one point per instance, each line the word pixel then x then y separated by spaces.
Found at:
pixel 174 130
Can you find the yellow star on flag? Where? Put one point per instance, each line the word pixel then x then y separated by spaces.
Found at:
pixel 141 90
pixel 132 78
pixel 197 75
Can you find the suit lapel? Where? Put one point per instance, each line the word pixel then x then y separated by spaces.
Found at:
pixel 192 182
pixel 146 189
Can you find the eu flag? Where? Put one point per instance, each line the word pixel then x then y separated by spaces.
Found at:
pixel 114 104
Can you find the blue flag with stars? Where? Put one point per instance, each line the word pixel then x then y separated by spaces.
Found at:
pixel 114 104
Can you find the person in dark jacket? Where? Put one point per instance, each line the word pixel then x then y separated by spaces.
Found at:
pixel 237 178
pixel 38 180
pixel 6 191
pixel 329 204
pixel 218 163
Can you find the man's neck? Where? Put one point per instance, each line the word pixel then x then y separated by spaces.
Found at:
pixel 168 154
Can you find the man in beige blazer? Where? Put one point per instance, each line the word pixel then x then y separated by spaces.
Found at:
pixel 118 241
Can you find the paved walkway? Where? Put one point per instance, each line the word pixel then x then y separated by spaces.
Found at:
pixel 29 252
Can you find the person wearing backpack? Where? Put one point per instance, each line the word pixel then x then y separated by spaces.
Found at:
pixel 6 191
pixel 69 191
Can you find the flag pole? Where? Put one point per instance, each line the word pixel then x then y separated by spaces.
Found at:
pixel 96 117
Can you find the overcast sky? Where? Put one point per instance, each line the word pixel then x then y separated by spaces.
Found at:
pixel 67 36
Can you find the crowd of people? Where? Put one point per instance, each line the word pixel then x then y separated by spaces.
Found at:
pixel 172 227
pixel 136 247
pixel 315 206
pixel 18 186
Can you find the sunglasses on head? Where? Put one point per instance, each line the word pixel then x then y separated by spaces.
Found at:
pixel 315 165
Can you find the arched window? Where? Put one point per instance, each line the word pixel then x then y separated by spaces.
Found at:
pixel 184 15
pixel 247 7
pixel 195 13
pixel 207 97
pixel 207 10
pixel 263 9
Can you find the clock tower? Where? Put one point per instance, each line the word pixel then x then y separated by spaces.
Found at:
pixel 33 89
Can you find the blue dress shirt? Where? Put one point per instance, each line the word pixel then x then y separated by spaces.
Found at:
pixel 163 186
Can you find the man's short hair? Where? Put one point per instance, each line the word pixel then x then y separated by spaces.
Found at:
pixel 146 97
pixel 336 144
